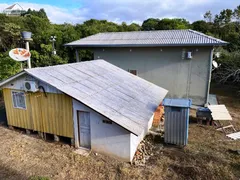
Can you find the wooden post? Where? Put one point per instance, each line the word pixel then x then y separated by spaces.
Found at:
pixel 72 142
pixel 41 134
pixel 56 138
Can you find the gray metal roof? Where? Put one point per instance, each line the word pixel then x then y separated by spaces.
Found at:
pixel 148 38
pixel 126 99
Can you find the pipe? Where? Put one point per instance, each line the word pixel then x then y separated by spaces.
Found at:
pixel 29 60
pixel 209 77
pixel 77 55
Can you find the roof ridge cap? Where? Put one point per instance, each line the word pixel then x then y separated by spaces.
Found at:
pixel 143 31
pixel 207 36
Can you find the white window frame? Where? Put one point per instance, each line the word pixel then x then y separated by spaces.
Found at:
pixel 18 107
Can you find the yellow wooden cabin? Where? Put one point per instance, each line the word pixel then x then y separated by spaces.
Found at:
pixel 48 112
pixel 98 105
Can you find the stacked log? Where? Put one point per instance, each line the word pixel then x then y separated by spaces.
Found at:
pixel 143 153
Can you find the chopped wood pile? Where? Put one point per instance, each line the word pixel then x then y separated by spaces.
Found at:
pixel 146 149
pixel 143 153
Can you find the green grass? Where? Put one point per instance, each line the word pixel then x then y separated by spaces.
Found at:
pixel 38 178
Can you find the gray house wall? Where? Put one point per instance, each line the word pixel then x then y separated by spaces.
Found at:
pixel 109 139
pixel 18 84
pixel 166 67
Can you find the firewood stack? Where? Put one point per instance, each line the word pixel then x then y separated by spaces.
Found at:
pixel 143 153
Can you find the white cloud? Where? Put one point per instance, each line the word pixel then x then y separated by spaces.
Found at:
pixel 130 10
pixel 139 10
pixel 55 14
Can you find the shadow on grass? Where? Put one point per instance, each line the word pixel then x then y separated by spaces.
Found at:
pixel 8 173
pixel 236 168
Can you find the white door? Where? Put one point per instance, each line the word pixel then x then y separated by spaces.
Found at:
pixel 84 129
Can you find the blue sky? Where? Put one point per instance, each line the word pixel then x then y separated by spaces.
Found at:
pixel 77 11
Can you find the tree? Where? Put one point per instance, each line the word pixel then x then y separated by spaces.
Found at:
pixel 150 24
pixel 41 13
pixel 224 17
pixel 9 36
pixel 237 13
pixel 229 71
pixel 8 67
pixel 170 24
pixel 208 16
pixel 201 26
pixel 45 57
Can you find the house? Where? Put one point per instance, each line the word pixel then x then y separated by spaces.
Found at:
pixel 178 60
pixel 96 104
pixel 14 10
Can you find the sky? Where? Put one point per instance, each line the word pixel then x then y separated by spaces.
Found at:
pixel 129 11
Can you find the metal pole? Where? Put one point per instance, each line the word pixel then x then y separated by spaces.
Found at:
pixel 29 60
pixel 77 55
pixel 53 45
pixel 209 77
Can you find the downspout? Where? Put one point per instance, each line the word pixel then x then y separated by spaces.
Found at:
pixel 209 77
pixel 77 55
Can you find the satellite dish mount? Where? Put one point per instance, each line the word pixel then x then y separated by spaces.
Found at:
pixel 27 37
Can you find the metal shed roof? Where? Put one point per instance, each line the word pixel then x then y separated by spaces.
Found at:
pixel 148 38
pixel 177 102
pixel 126 99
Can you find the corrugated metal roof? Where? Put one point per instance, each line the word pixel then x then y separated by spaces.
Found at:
pixel 126 99
pixel 11 7
pixel 220 112
pixel 177 102
pixel 147 38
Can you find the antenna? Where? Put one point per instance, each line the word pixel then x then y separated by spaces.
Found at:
pixel 53 39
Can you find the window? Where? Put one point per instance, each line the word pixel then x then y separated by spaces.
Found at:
pixel 107 121
pixel 133 71
pixel 19 100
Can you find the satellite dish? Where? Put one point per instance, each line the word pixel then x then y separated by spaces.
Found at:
pixel 215 64
pixel 19 54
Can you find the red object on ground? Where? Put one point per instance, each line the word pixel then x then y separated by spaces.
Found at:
pixel 158 116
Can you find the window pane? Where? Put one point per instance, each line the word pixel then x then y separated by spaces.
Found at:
pixel 19 100
pixel 133 72
pixel 14 99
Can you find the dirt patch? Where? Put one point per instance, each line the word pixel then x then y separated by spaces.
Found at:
pixel 209 155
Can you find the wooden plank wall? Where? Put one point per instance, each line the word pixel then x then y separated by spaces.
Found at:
pixel 52 114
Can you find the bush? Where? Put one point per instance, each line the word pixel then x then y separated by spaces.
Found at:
pixel 229 70
pixel 8 67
